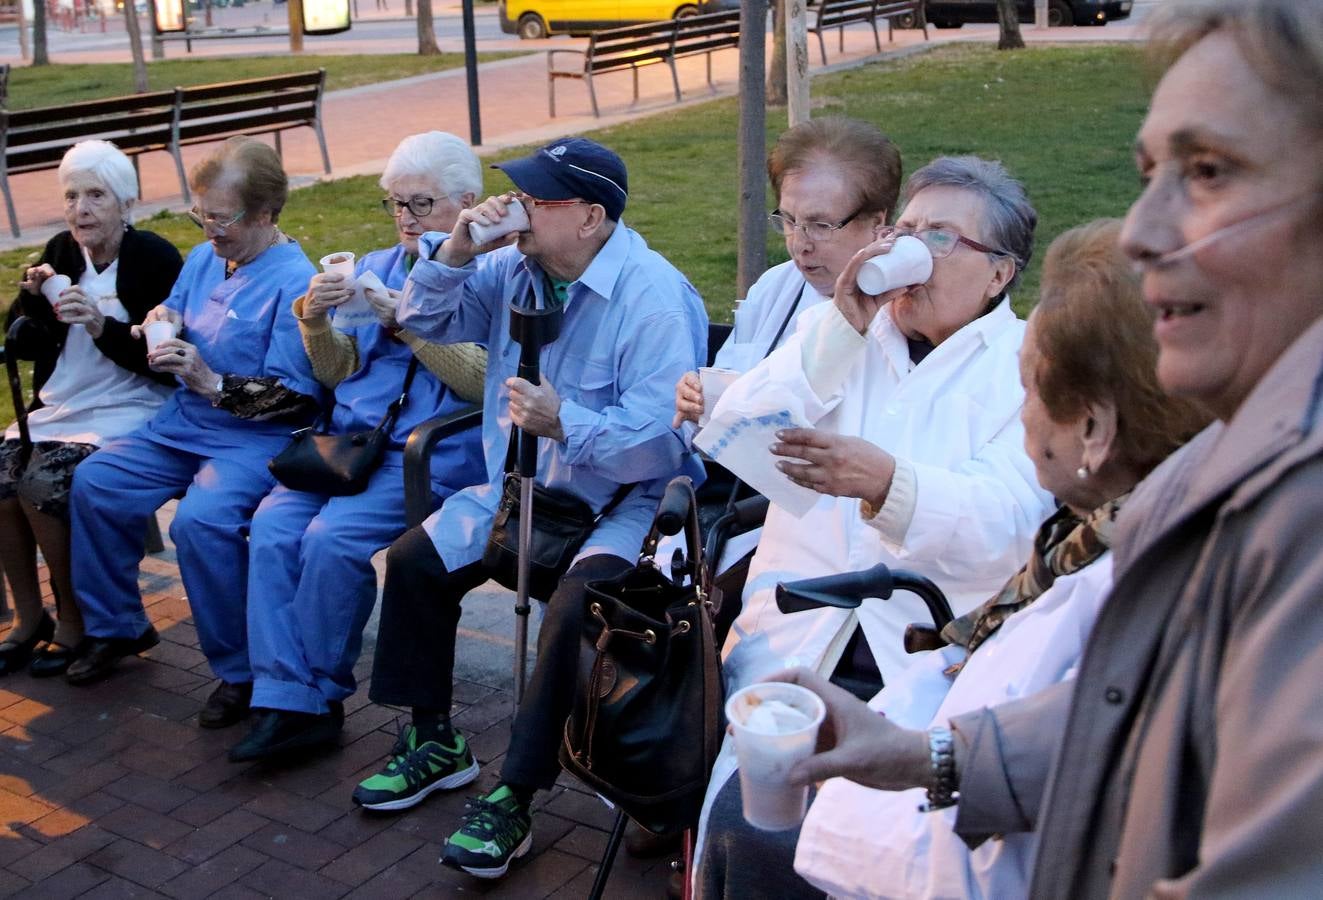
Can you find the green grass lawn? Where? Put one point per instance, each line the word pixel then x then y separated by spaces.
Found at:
pixel 58 83
pixel 1062 119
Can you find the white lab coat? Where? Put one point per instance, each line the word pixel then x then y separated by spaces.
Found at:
pixel 955 420
pixel 780 292
pixel 860 842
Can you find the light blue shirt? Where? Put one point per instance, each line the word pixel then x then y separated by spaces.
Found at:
pixel 633 326
pixel 241 325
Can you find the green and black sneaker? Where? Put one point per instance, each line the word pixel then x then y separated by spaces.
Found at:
pixel 497 828
pixel 415 771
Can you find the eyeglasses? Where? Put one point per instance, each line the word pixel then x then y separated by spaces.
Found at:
pixel 814 231
pixel 941 242
pixel 212 221
pixel 419 206
pixel 534 203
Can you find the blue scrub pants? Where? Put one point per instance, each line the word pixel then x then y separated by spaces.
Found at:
pixel 114 492
pixel 311 588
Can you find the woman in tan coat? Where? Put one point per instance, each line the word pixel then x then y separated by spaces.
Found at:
pixel 1192 762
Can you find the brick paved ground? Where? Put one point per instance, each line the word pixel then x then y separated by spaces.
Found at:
pixel 114 791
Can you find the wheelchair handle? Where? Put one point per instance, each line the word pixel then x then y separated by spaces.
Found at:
pixel 849 589
pixel 674 507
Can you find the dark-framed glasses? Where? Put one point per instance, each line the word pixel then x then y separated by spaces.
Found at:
pixel 419 206
pixel 217 223
pixel 941 242
pixel 785 225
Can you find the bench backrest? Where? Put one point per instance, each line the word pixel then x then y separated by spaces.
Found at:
pixel 835 13
pixel 897 7
pixel 210 111
pixel 703 34
pixel 612 48
pixel 37 138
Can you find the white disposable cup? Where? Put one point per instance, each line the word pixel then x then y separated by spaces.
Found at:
pixel 714 382
pixel 342 263
pixel 770 802
pixel 52 287
pixel 157 331
pixel 909 262
pixel 516 219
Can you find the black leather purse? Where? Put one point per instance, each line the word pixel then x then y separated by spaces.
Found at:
pixel 647 718
pixel 562 523
pixel 338 465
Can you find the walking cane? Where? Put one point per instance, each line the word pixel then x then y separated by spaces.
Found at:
pixel 532 329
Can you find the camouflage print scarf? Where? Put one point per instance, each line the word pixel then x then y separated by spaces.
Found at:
pixel 1064 544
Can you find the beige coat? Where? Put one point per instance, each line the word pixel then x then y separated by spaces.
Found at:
pixel 1192 761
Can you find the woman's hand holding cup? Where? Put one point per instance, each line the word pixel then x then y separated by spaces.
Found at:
pixel 688 399
pixel 76 308
pixel 161 313
pixel 326 290
pixel 34 277
pixel 858 307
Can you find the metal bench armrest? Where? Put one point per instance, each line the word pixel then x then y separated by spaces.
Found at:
pixel 418 459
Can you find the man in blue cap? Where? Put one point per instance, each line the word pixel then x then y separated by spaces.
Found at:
pixel 632 325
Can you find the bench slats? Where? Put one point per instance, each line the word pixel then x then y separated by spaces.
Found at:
pixel 246 104
pixel 66 134
pixel 250 86
pixel 213 129
pixel 90 109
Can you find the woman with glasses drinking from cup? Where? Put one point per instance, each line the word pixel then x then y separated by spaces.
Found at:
pixel 915 452
pixel 311 585
pixel 90 379
pixel 244 385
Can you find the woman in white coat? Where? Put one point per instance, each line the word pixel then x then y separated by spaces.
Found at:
pixel 917 448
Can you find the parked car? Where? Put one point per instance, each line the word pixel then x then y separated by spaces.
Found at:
pixel 533 19
pixel 954 13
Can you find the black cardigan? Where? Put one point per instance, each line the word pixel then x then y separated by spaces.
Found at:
pixel 148 267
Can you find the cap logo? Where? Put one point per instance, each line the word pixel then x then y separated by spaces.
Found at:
pixel 557 151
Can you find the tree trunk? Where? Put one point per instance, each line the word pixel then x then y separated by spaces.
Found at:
pixel 206 11
pixel 1008 20
pixel 776 74
pixel 39 55
pixel 135 47
pixel 752 154
pixel 426 36
pixel 408 9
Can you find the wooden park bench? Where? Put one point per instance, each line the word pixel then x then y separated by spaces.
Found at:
pixel 840 13
pixel 36 139
pixel 632 47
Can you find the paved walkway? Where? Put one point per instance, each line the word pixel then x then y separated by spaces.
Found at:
pixel 114 791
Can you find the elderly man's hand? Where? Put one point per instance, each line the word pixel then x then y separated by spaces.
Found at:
pixel 179 357
pixel 835 464
pixel 458 249
pixel 688 399
pixel 326 290
pixel 859 308
pixel 535 408
pixel 857 743
pixel 76 308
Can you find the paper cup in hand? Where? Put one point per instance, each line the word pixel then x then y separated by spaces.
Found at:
pixel 341 263
pixel 909 262
pixel 516 219
pixel 157 331
pixel 775 726
pixel 714 381
pixel 52 287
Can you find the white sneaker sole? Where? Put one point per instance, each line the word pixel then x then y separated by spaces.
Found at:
pixel 521 850
pixel 449 783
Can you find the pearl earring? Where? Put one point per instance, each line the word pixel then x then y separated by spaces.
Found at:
pixel 1082 473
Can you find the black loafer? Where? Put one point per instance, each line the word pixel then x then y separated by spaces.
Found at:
pixel 227 705
pixel 279 732
pixel 55 659
pixel 103 654
pixel 14 655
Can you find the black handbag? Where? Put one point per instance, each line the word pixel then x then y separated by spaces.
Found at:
pixel 647 719
pixel 338 465
pixel 562 523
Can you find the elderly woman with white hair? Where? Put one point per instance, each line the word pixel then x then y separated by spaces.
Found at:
pixel 311 585
pixel 91 383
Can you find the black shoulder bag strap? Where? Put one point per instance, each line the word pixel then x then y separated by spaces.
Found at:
pixel 393 411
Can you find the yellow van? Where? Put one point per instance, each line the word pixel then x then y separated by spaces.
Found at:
pixel 532 19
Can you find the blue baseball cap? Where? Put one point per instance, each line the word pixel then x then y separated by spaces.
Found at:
pixel 570 169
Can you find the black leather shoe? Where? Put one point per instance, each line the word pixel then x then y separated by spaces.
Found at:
pixel 278 732
pixel 103 654
pixel 55 659
pixel 227 705
pixel 14 655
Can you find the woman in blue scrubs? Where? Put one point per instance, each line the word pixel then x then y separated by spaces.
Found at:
pixel 311 585
pixel 245 383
